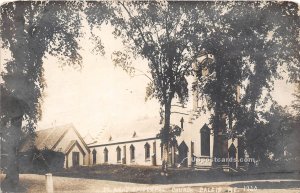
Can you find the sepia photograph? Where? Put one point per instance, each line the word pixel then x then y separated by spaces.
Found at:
pixel 149 96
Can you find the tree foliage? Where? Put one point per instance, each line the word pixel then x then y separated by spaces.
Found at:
pixel 250 42
pixel 29 31
pixel 157 32
pixel 274 140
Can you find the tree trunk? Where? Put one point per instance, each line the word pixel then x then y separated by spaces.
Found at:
pixel 165 140
pixel 251 126
pixel 216 149
pixel 219 122
pixel 11 181
pixel 220 147
pixel 217 128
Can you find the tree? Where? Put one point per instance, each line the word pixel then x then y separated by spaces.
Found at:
pixel 270 136
pixel 220 79
pixel 275 139
pixel 268 53
pixel 29 30
pixel 249 43
pixel 159 33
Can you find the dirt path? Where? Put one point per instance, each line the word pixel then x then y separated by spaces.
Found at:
pixel 36 184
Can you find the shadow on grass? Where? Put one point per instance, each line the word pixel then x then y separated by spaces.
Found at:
pixel 151 175
pixel 7 187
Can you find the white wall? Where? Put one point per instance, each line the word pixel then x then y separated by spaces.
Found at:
pixel 63 144
pixel 191 133
pixel 139 153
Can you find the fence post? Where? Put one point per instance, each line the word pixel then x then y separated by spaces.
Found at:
pixel 49 183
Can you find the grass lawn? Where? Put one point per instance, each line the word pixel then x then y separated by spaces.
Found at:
pixel 34 183
pixel 151 175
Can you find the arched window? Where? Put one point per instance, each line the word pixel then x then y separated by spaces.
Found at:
pixel 205 140
pixel 183 154
pixel 118 154
pixel 94 156
pixel 147 151
pixel 154 147
pixel 132 153
pixel 105 155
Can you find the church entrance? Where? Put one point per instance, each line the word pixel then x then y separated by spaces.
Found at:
pixel 183 154
pixel 75 158
pixel 232 156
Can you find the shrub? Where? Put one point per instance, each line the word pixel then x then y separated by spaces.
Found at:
pixel 41 161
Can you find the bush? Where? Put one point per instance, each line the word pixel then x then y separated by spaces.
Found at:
pixel 41 161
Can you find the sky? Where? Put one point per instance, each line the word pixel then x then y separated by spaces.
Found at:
pixel 97 97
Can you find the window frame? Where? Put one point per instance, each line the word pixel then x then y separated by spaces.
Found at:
pixel 94 152
pixel 147 151
pixel 205 141
pixel 119 154
pixel 132 153
pixel 105 151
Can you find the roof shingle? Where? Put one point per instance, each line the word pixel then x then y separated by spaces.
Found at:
pixel 47 138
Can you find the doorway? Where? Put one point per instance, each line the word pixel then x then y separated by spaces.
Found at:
pixel 75 158
pixel 183 154
pixel 232 156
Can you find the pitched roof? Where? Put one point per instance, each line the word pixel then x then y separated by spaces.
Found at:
pixel 71 145
pixel 47 138
pixel 142 129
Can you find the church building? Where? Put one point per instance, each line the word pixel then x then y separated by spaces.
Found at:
pixel 194 146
